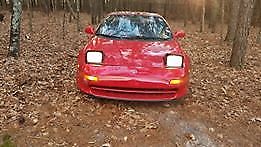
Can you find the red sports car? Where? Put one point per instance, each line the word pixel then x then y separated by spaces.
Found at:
pixel 133 56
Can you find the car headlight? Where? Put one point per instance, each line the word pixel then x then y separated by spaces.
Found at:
pixel 174 61
pixel 94 57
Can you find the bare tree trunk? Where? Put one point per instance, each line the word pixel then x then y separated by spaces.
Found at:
pixel 53 3
pixel 92 4
pixel 64 19
pixel 3 4
pixel 193 11
pixel 36 3
pixel 222 18
pixel 258 40
pixel 97 9
pixel 46 4
pixel 186 7
pixel 78 15
pixel 243 27
pixel 202 26
pixel 14 47
pixel 233 20
pixel 166 8
pixel 214 14
pixel 100 10
pixel 150 6
pixel 71 9
pixel 30 14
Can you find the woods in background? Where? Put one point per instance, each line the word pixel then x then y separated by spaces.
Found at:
pixel 239 15
pixel 178 10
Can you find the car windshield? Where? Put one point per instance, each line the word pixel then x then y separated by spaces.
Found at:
pixel 135 27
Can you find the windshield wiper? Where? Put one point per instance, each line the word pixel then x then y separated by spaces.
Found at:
pixel 147 38
pixel 136 37
pixel 109 36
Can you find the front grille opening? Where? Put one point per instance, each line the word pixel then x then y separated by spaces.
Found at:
pixel 137 90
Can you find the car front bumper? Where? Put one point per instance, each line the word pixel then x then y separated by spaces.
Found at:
pixel 134 84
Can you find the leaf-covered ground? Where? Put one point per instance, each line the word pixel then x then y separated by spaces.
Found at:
pixel 41 106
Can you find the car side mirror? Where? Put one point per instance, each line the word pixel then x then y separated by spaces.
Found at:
pixel 89 30
pixel 179 34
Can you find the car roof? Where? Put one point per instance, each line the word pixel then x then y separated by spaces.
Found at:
pixel 134 13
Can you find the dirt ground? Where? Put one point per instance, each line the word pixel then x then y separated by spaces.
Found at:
pixel 41 106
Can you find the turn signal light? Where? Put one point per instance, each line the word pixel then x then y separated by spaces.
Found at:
pixel 91 78
pixel 175 82
pixel 179 81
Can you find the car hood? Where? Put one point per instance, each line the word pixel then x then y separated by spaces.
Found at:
pixel 137 53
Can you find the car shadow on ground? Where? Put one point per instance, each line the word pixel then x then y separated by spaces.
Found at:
pixel 138 104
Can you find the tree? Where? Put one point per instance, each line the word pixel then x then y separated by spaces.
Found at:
pixel 30 14
pixel 214 5
pixel 14 47
pixel 186 9
pixel 258 40
pixel 202 25
pixel 46 4
pixel 233 19
pixel 78 15
pixel 3 4
pixel 97 10
pixel 243 27
pixel 53 3
pixel 72 13
pixel 222 18
pixel 165 8
pixel 93 7
pixel 64 18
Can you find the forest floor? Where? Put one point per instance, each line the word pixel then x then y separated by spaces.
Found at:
pixel 41 106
